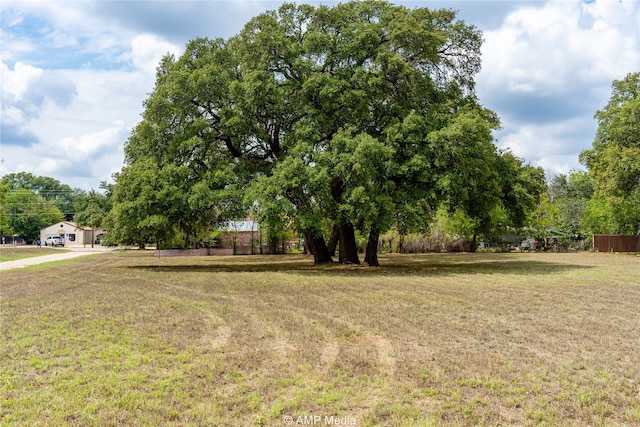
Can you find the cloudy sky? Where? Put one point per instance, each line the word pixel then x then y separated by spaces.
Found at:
pixel 75 73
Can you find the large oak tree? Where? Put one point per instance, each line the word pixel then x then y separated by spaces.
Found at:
pixel 353 115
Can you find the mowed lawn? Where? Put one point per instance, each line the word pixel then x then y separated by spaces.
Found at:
pixel 11 253
pixel 125 338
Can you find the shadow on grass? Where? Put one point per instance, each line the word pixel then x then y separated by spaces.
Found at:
pixel 404 265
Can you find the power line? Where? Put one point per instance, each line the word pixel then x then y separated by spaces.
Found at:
pixel 32 191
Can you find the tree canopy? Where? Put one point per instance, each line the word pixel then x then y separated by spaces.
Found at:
pixel 358 115
pixel 614 162
pixel 93 207
pixel 24 213
pixel 50 189
pixel 569 194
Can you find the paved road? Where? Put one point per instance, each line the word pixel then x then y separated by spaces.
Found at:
pixel 76 251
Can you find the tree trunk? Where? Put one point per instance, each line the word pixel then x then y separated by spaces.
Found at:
pixel 333 240
pixel 348 246
pixel 371 256
pixel 318 248
pixel 306 247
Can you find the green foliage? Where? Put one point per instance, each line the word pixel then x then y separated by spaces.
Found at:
pixel 599 217
pixel 176 183
pixel 489 193
pixel 568 196
pixel 29 203
pixel 291 194
pixel 523 186
pixel 24 213
pixel 146 200
pixel 50 189
pixel 360 167
pixel 454 225
pixel 360 115
pixel 466 166
pixel 614 161
pixel 93 207
pixel 4 211
pixel 546 216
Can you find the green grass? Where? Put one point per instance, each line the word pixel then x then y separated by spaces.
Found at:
pixel 20 252
pixel 425 340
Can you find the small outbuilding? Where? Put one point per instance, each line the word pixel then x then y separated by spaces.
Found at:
pixel 72 233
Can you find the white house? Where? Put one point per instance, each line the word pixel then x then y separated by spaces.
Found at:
pixel 73 234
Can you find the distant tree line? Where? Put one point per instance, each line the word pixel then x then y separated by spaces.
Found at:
pixel 29 203
pixel 605 199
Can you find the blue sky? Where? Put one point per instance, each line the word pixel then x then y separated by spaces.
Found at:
pixel 75 73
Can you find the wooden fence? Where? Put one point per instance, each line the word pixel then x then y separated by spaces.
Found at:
pixel 193 252
pixel 616 243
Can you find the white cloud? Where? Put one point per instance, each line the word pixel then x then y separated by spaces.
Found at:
pixel 547 50
pixel 78 136
pixel 25 92
pixel 72 123
pixel 537 141
pixel 549 67
pixel 16 82
pixel 62 39
pixel 18 108
pixel 84 147
pixel 77 153
pixel 13 47
pixel 147 50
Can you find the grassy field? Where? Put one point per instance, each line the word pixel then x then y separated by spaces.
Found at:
pixel 11 253
pixel 125 338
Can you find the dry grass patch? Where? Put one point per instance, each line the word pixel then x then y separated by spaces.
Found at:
pixel 464 339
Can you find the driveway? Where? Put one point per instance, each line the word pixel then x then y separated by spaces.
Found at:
pixel 76 251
